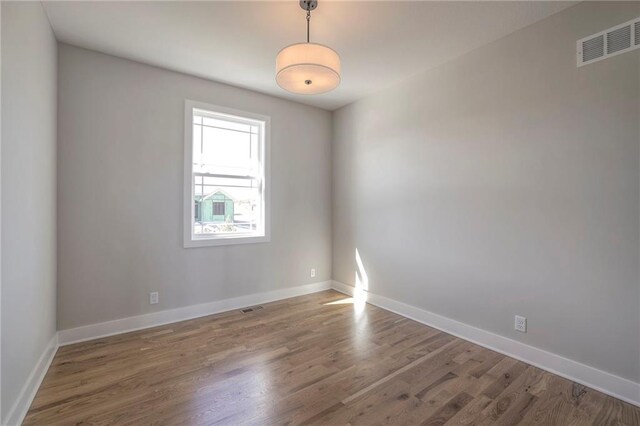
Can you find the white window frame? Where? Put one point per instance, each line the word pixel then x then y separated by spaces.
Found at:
pixel 260 236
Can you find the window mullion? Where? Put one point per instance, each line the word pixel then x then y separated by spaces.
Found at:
pixel 223 176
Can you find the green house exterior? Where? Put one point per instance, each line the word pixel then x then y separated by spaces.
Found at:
pixel 214 208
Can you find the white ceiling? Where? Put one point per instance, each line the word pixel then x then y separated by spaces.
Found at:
pixel 236 42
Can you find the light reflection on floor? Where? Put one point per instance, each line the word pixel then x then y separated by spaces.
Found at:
pixel 357 302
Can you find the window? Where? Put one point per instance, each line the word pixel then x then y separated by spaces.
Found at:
pixel 226 180
pixel 218 208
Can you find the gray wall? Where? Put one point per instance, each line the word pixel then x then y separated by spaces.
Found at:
pixel 120 186
pixel 505 182
pixel 28 192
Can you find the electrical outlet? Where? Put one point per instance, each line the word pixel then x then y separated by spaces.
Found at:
pixel 313 272
pixel 521 324
pixel 154 298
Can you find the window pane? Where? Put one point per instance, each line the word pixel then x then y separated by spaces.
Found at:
pixel 224 151
pixel 224 124
pixel 226 209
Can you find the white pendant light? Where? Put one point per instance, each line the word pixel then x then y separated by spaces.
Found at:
pixel 308 68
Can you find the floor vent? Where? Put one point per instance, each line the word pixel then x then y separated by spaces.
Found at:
pixel 251 309
pixel 610 42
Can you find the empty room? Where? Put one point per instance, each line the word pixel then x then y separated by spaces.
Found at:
pixel 320 212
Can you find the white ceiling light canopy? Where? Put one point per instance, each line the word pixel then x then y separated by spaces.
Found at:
pixel 308 68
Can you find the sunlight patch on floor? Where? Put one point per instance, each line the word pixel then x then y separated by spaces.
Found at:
pixel 347 301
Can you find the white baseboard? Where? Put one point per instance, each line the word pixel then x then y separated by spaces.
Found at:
pixel 124 325
pixel 599 380
pixel 16 414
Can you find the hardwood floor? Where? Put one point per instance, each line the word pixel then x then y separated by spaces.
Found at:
pixel 312 359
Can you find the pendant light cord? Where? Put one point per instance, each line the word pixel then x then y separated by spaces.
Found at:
pixel 308 19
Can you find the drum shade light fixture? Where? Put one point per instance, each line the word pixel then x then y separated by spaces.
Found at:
pixel 308 68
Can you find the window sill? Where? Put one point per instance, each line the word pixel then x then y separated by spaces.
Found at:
pixel 225 241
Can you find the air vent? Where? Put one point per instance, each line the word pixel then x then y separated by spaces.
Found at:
pixel 619 39
pixel 593 48
pixel 251 309
pixel 613 41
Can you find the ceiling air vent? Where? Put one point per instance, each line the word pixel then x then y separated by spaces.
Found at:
pixel 610 42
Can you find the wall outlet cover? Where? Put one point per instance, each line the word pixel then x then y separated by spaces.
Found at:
pixel 521 324
pixel 154 298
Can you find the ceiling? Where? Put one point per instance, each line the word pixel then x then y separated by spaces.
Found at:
pixel 236 42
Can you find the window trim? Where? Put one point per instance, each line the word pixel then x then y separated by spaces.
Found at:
pixel 189 240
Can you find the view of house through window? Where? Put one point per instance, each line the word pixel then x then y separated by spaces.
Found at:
pixel 227 175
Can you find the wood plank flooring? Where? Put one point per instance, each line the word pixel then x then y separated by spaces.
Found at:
pixel 313 359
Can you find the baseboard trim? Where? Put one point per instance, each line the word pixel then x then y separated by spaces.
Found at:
pixel 139 322
pixel 19 409
pixel 599 380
